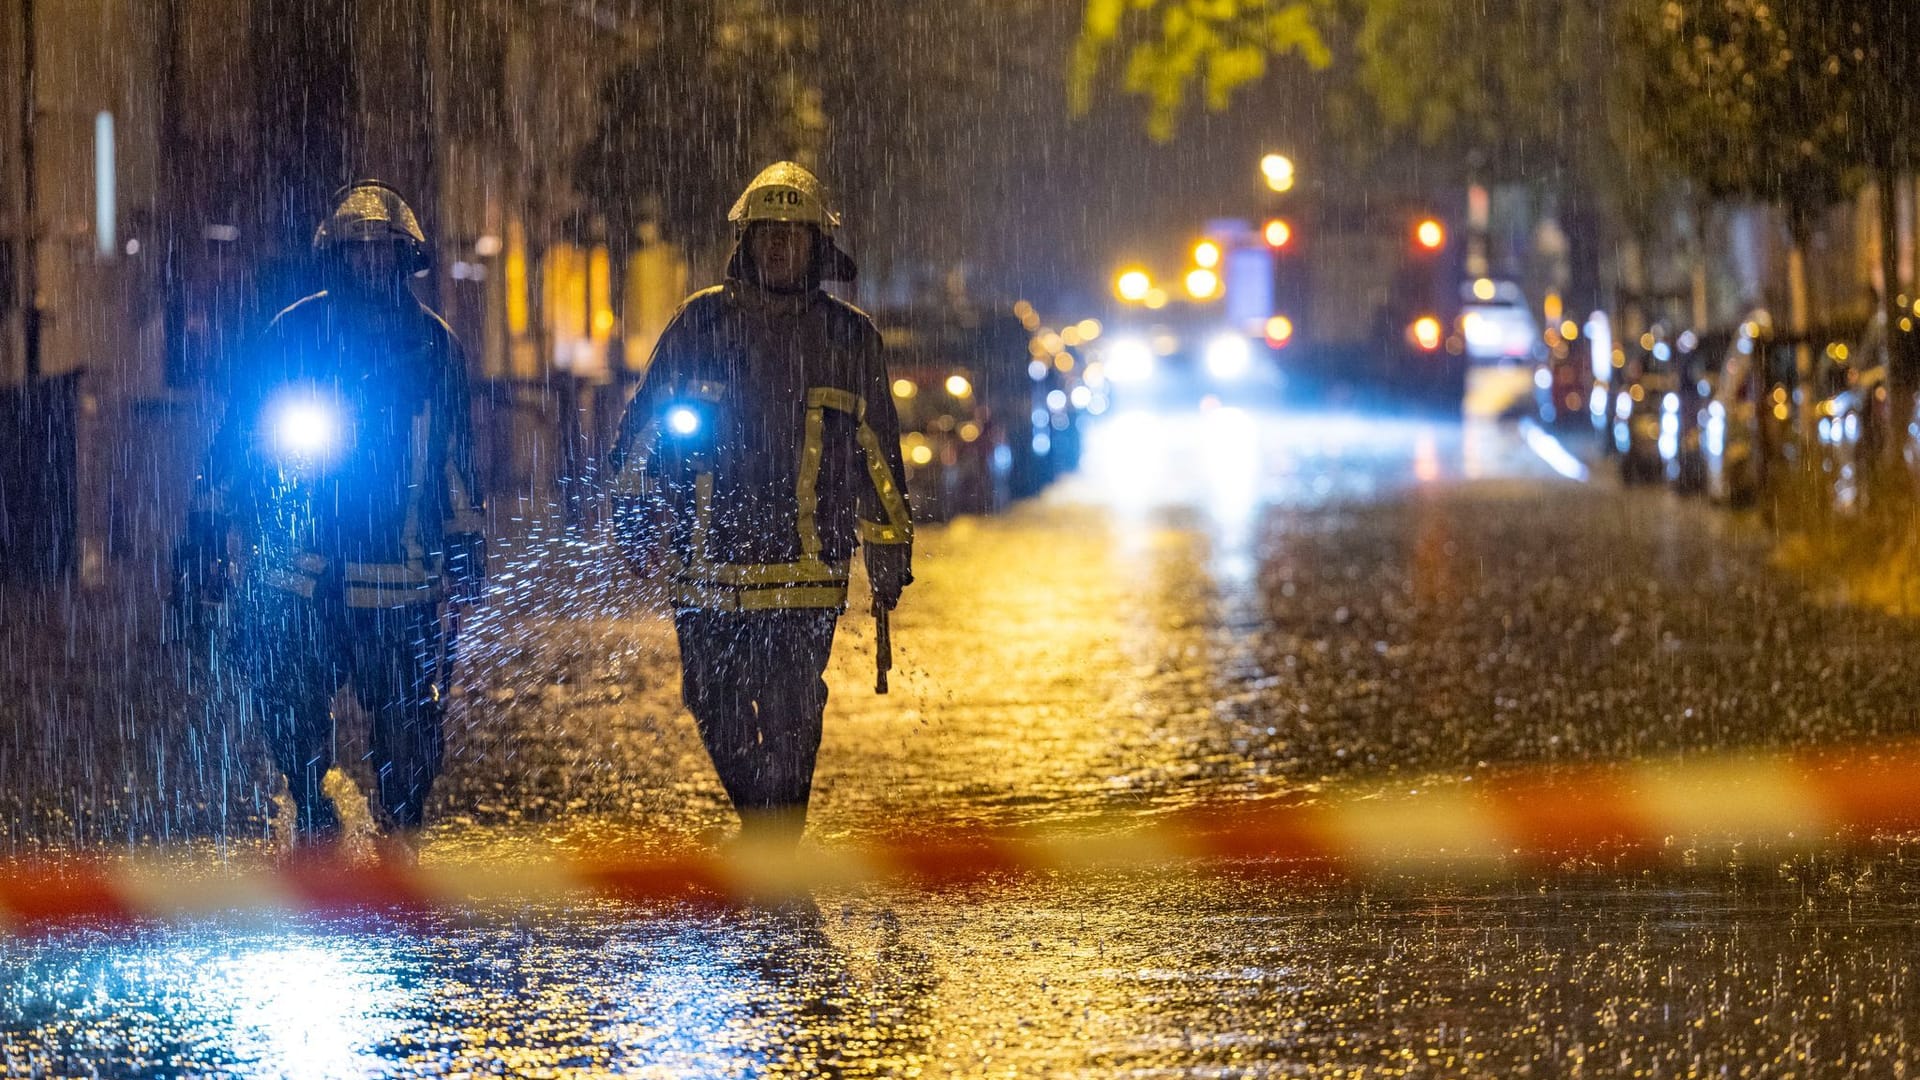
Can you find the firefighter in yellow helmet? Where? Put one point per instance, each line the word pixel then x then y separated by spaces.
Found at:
pixel 343 467
pixel 760 451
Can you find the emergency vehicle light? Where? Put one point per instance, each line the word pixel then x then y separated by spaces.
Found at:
pixel 1228 356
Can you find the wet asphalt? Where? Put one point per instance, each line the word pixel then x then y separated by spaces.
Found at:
pixel 1221 607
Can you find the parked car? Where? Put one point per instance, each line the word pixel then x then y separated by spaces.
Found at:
pixel 1851 414
pixel 957 457
pixel 1697 360
pixel 1646 413
pixel 1563 385
pixel 978 422
pixel 1748 429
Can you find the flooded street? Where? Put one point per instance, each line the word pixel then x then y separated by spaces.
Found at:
pixel 1222 606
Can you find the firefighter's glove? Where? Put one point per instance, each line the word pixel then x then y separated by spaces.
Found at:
pixel 889 571
pixel 466 567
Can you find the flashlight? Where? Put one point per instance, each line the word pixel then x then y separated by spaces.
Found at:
pixel 304 428
pixel 683 420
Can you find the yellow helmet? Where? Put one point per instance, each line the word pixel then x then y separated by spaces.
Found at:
pixel 369 210
pixel 785 191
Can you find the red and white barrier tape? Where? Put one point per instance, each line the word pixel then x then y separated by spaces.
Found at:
pixel 1531 821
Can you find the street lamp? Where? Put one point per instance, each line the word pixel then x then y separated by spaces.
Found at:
pixel 1206 254
pixel 1278 171
pixel 1278 234
pixel 1203 284
pixel 1132 286
pixel 1430 234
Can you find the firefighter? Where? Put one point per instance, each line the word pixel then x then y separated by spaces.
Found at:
pixel 761 448
pixel 342 477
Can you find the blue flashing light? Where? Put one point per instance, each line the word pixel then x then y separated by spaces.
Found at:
pixel 683 420
pixel 305 428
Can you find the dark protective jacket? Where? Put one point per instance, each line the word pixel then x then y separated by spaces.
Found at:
pixel 378 485
pixel 765 444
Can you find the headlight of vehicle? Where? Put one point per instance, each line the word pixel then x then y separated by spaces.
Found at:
pixel 1129 360
pixel 1228 356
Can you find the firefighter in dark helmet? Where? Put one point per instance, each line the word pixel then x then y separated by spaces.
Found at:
pixel 342 475
pixel 760 451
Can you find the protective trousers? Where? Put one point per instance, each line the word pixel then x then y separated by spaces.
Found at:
pixel 298 653
pixel 753 683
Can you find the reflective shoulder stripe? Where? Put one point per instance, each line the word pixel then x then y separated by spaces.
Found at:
pixel 832 397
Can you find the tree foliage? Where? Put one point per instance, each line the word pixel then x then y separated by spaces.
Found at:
pixel 682 126
pixel 1169 50
pixel 1745 102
